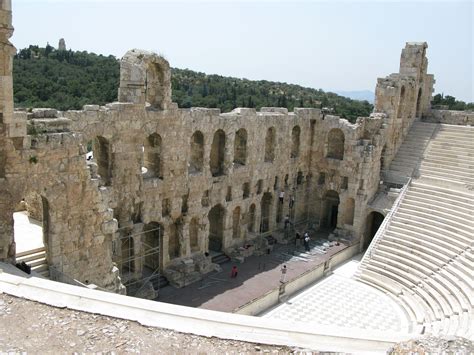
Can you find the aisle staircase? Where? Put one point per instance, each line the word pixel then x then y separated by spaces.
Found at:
pixel 423 256
pixel 36 258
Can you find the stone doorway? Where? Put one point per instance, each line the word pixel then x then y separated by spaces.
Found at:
pixel 266 205
pixel 153 246
pixel 216 228
pixel 331 209
pixel 374 220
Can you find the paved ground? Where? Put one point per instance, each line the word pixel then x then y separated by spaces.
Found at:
pixel 28 232
pixel 342 301
pixel 256 276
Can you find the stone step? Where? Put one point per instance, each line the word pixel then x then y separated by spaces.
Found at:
pixel 429 306
pixel 401 228
pixel 467 196
pixel 425 203
pixel 448 218
pixel 461 163
pixel 455 154
pixel 461 205
pixel 429 173
pixel 31 257
pixel 29 252
pixel 442 225
pixel 220 259
pixel 450 169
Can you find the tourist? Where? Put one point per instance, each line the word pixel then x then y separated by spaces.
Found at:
pixel 287 221
pixel 283 274
pixel 233 272
pixel 297 239
pixel 282 196
pixel 306 241
pixel 292 202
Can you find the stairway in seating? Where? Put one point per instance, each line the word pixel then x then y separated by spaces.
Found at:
pixel 36 258
pixel 159 281
pixel 424 257
pixel 410 153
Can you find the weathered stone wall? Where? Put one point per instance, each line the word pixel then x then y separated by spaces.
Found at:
pixel 464 118
pixel 190 181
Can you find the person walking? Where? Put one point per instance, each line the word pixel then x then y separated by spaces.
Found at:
pixel 297 240
pixel 283 274
pixel 281 196
pixel 233 272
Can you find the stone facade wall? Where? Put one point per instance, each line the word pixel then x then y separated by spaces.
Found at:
pixel 464 118
pixel 186 180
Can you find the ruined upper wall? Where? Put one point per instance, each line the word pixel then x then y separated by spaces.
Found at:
pixel 145 77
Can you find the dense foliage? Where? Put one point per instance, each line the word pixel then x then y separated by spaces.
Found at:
pixel 46 77
pixel 451 103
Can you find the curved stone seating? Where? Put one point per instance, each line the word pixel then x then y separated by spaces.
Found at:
pixel 424 258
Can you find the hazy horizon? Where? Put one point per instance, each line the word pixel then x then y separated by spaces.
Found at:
pixel 334 46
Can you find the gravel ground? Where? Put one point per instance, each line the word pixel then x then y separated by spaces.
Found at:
pixel 27 326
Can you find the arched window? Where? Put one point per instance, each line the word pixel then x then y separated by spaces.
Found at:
pixel 240 147
pixel 270 145
pixel 349 211
pixel 196 161
pixel 401 103
pixel 266 209
pixel 251 218
pixel 218 153
pixel 174 244
pixel 194 234
pixel 335 144
pixel 216 228
pixel 295 142
pixel 152 157
pixel 418 104
pixel 154 85
pixel 102 156
pixel 236 223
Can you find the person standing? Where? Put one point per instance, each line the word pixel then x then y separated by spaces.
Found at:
pixel 306 241
pixel 233 272
pixel 287 221
pixel 297 240
pixel 283 274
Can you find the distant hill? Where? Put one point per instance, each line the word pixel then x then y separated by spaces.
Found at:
pixel 361 95
pixel 46 77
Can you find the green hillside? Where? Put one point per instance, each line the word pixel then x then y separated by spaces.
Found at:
pixel 45 77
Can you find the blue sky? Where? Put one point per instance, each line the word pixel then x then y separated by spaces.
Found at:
pixel 333 45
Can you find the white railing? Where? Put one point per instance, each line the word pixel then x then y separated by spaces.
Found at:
pixel 386 222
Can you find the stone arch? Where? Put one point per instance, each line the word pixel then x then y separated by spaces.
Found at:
pixel 331 209
pixel 240 147
pixel 418 103
pixel 373 222
pixel 194 234
pixel 401 102
pixel 349 212
pixel 295 142
pixel 174 240
pixel 270 140
pixel 266 208
pixel 153 245
pixel 145 77
pixel 216 227
pixel 236 223
pixel 196 161
pixel 103 157
pixel 335 144
pixel 218 153
pixel 152 156
pixel 251 218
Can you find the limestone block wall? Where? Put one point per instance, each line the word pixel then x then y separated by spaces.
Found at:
pixel 450 117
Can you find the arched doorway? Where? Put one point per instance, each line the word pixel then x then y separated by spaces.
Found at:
pixel 153 245
pixel 251 218
pixel 236 223
pixel 174 240
pixel 194 234
pixel 331 209
pixel 374 220
pixel 266 205
pixel 216 228
pixel 349 212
